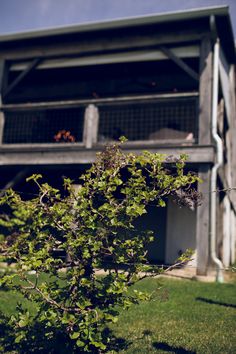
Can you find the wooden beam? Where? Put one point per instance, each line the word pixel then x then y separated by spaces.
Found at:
pixel 224 69
pixel 84 102
pixel 56 154
pixel 169 53
pixel 203 221
pixel 17 178
pixel 205 91
pixel 147 54
pixel 21 76
pixel 227 77
pixel 232 129
pixel 2 122
pixel 2 67
pixel 92 45
pixel 2 87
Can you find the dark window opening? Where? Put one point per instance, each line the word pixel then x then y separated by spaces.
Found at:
pixel 101 81
pixel 46 126
pixel 166 119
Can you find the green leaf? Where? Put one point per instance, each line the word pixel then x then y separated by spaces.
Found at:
pixel 99 345
pixel 23 323
pixel 80 344
pixel 19 337
pixel 75 335
pixel 161 203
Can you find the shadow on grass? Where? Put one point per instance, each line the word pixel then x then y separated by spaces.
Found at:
pixel 116 343
pixel 60 343
pixel 170 349
pixel 213 302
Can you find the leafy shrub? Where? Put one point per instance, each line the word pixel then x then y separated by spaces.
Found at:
pixel 69 238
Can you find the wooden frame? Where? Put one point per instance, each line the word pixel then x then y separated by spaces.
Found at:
pixel 32 65
pixel 85 102
pixel 169 53
pixel 91 117
pixel 2 87
pixel 203 221
pixel 56 154
pixel 103 44
pixel 205 91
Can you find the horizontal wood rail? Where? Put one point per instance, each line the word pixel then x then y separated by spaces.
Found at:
pixel 65 154
pixel 85 102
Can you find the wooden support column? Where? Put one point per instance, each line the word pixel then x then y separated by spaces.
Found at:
pixel 2 120
pixel 2 86
pixel 205 91
pixel 227 79
pixel 205 103
pixel 90 126
pixel 203 221
pixel 233 132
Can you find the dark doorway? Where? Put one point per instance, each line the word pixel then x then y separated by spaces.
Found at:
pixel 155 220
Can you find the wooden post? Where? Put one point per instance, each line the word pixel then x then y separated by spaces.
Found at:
pixel 90 126
pixel 205 91
pixel 2 82
pixel 233 132
pixel 203 221
pixel 205 99
pixel 2 120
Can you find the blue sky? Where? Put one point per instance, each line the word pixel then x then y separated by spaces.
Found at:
pixel 22 15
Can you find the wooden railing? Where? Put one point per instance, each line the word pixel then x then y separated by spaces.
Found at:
pixel 165 118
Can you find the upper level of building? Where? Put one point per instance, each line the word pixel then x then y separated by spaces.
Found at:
pixel 66 92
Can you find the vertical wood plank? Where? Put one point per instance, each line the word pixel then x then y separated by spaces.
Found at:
pixel 224 69
pixel 2 84
pixel 2 67
pixel 205 91
pixel 233 132
pixel 203 221
pixel 90 126
pixel 233 236
pixel 2 121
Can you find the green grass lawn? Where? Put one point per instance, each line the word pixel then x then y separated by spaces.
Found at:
pixel 183 317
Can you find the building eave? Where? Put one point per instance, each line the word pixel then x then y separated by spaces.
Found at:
pixel 221 14
pixel 118 23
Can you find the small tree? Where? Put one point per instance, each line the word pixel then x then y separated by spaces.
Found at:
pixel 95 227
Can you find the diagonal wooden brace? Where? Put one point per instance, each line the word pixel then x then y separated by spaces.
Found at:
pixel 180 63
pixel 20 77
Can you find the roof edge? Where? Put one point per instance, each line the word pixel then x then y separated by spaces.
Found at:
pixel 118 23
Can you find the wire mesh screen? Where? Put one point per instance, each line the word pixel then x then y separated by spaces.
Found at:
pixel 46 126
pixel 166 119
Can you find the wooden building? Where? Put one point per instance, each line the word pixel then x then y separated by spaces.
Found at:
pixel 166 82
